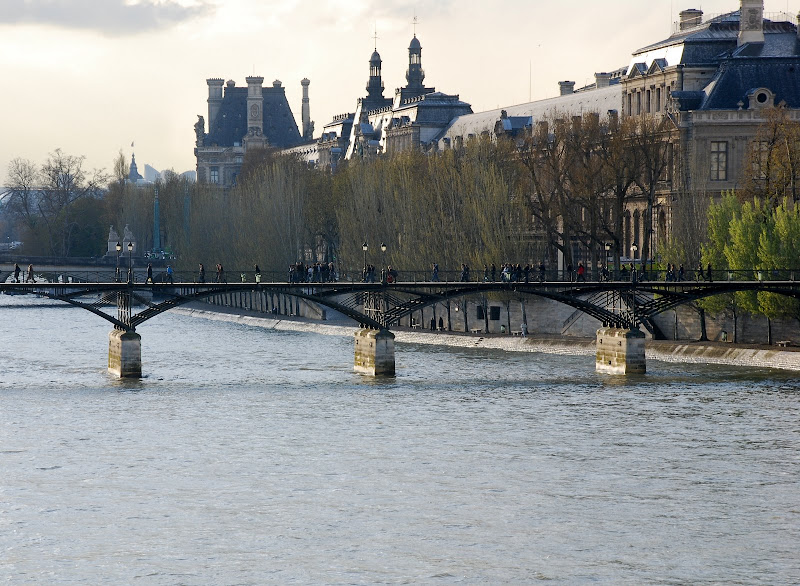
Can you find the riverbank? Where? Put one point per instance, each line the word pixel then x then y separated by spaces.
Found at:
pixel 667 351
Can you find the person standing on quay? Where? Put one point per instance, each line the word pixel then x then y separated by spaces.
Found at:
pixel 435 273
pixel 169 274
pixel 17 270
pixel 201 276
pixel 149 274
pixel 30 278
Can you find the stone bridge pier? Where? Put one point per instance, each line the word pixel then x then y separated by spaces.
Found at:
pixel 125 353
pixel 620 351
pixel 374 352
pixel 124 344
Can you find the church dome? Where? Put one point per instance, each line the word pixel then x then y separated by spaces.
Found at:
pixel 415 43
pixel 376 58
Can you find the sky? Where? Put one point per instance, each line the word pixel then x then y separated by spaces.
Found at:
pixel 93 76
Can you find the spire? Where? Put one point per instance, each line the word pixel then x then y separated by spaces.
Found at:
pixel 375 83
pixel 133 174
pixel 415 75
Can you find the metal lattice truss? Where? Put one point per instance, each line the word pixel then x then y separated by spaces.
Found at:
pixel 381 306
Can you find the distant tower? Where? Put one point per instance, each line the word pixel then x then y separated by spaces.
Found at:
pixel 133 174
pixel 415 74
pixel 375 83
pixel 308 125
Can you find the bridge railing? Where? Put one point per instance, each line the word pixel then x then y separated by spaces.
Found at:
pixel 643 274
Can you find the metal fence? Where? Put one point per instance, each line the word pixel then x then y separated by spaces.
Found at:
pixel 641 274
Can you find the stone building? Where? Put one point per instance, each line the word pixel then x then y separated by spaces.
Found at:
pixel 413 118
pixel 711 81
pixel 242 118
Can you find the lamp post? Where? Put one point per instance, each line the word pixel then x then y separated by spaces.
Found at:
pixel 383 262
pixel 634 276
pixel 116 274
pixel 130 262
pixel 607 247
pixel 364 247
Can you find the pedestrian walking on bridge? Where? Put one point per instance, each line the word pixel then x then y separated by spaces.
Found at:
pixel 30 278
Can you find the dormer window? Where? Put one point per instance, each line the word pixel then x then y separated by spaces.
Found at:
pixel 760 98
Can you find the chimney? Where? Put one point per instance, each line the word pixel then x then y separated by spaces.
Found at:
pixel 602 80
pixel 308 129
pixel 751 22
pixel 690 18
pixel 566 87
pixel 214 99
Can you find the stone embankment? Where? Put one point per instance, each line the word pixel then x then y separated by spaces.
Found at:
pixel 686 352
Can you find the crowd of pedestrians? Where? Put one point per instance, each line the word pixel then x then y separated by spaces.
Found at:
pixel 318 272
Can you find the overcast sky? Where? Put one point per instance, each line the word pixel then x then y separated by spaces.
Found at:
pixel 92 76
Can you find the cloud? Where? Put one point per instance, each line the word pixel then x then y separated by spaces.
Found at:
pixel 109 17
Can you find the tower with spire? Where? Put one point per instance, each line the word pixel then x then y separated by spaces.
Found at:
pixel 415 75
pixel 133 173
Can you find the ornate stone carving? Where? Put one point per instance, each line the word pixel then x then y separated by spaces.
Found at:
pixel 199 130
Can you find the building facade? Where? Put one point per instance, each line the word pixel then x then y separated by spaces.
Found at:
pixel 242 118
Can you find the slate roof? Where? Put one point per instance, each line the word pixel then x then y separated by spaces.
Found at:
pixel 717 38
pixel 597 100
pixel 738 76
pixel 230 125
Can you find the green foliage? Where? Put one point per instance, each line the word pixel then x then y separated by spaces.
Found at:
pixel 754 240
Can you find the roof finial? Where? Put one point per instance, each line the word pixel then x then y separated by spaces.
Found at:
pixel 375 37
pixel 415 22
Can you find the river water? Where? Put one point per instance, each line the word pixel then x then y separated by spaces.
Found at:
pixel 252 456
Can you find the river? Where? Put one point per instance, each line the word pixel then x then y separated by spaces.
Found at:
pixel 253 456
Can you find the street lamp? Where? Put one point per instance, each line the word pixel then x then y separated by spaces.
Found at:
pixel 383 261
pixel 607 246
pixel 130 262
pixel 364 247
pixel 116 275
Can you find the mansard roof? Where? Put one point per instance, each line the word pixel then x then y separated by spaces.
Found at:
pixel 230 124
pixel 597 100
pixel 714 40
pixel 739 77
pixel 435 108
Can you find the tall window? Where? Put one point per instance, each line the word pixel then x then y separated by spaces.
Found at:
pixel 214 174
pixel 647 101
pixel 658 99
pixel 760 159
pixel 719 161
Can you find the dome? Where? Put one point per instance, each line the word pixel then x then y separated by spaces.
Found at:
pixel 415 43
pixel 376 58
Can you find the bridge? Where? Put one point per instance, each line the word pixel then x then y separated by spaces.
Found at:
pixel 622 307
